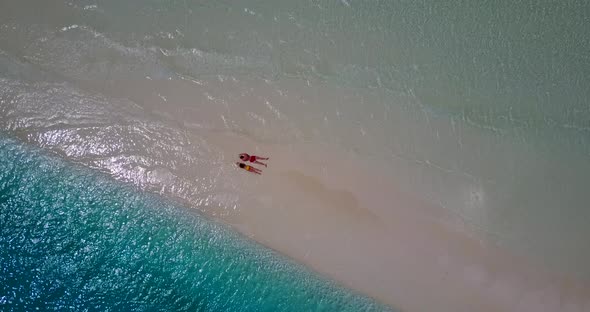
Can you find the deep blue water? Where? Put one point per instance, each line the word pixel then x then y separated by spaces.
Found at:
pixel 73 240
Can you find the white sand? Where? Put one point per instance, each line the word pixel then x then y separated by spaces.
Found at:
pixel 350 223
pixel 346 216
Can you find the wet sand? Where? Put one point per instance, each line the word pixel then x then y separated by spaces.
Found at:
pixel 358 177
pixel 348 216
pixel 351 224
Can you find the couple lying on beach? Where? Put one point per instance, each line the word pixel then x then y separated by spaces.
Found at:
pixel 252 159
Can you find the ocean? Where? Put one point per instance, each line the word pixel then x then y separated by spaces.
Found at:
pixel 424 155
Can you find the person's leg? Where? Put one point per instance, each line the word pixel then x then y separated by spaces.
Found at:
pixel 257 162
pixel 262 158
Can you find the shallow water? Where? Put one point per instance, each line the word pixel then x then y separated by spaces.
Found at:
pixel 380 118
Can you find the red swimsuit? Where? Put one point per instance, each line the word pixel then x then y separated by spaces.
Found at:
pixel 250 159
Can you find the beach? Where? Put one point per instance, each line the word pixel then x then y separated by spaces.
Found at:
pixel 349 218
pixel 430 157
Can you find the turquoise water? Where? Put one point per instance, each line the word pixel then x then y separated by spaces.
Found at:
pixel 73 240
pixel 480 109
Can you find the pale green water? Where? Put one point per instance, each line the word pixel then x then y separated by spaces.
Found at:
pixel 481 108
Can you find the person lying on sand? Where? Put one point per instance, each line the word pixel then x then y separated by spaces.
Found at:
pixel 253 159
pixel 248 168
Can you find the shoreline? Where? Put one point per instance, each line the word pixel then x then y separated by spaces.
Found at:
pixel 394 255
pixel 333 210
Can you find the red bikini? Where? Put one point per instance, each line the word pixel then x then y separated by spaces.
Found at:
pixel 253 158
